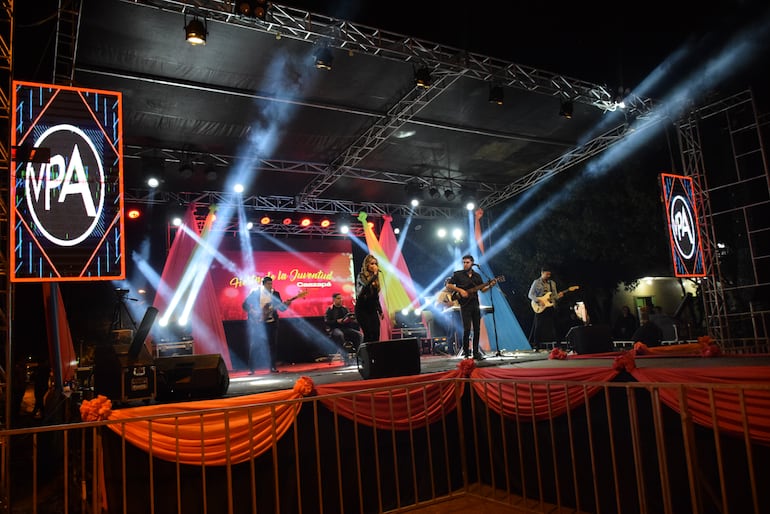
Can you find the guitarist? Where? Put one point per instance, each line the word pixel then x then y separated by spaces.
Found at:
pixel 262 306
pixel 460 282
pixel 544 326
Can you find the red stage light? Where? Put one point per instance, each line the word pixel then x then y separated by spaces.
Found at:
pixel 266 219
pixel 325 223
pixel 287 221
pixel 133 214
pixel 305 222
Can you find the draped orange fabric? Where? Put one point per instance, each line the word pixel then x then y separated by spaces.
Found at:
pixel 209 438
pixel 399 409
pixel 537 400
pixel 410 402
pixel 730 403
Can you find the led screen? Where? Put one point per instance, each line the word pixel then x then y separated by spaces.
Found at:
pixel 66 184
pixel 683 227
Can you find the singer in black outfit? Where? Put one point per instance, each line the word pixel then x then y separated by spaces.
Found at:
pixel 460 282
pixel 368 309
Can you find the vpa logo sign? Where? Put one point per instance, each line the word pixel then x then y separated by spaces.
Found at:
pixel 683 226
pixel 65 196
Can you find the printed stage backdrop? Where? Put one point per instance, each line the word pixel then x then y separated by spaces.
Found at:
pixel 318 273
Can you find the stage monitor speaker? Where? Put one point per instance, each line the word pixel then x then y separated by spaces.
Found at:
pixel 141 333
pixel 121 377
pixel 192 376
pixel 590 339
pixel 393 358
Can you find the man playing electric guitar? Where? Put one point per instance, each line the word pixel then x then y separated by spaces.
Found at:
pixel 262 306
pixel 544 296
pixel 466 283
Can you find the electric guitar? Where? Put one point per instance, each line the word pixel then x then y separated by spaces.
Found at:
pixel 548 300
pixel 268 311
pixel 462 301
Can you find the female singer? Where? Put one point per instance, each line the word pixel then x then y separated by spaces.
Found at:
pixel 368 309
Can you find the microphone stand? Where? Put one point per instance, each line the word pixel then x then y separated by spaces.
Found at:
pixel 494 320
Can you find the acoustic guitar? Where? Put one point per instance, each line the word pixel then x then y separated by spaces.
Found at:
pixel 548 300
pixel 462 301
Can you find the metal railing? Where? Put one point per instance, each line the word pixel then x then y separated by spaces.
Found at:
pixel 620 449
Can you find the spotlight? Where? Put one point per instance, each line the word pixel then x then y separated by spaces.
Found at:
pixel 265 220
pixel 325 223
pixel 496 94
pixel 306 222
pixel 253 8
pixel 566 109
pixel 324 58
pixel 434 193
pixel 153 182
pixel 423 78
pixel 133 214
pixel 195 32
pixel 287 221
pixel 449 195
pixel 186 170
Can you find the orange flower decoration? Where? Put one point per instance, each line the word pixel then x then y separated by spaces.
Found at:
pixel 640 348
pixel 711 350
pixel 304 386
pixel 558 354
pixel 97 409
pixel 466 367
pixel 625 362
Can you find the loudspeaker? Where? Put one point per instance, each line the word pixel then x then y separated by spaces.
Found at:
pixel 393 358
pixel 122 377
pixel 192 376
pixel 590 339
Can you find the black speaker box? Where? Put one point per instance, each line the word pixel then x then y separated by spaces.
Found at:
pixel 393 358
pixel 192 376
pixel 590 339
pixel 122 377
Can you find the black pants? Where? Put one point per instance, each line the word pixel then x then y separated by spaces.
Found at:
pixel 471 315
pixel 543 328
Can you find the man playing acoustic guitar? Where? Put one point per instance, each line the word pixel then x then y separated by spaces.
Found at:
pixel 262 306
pixel 466 283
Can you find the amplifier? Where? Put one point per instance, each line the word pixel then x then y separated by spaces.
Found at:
pixel 173 348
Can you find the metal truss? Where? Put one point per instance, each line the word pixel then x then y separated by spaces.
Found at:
pixel 285 204
pixel 6 288
pixel 67 30
pixel 314 28
pixel 563 162
pixel 406 108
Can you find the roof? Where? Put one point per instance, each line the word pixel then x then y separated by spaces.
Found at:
pixel 362 136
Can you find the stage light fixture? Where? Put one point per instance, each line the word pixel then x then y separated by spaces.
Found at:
pixel 133 213
pixel 287 221
pixel 153 182
pixel 449 195
pixel 434 193
pixel 324 58
pixel 496 94
pixel 325 223
pixel 306 222
pixel 253 8
pixel 186 170
pixel 195 32
pixel 423 78
pixel 565 109
pixel 265 220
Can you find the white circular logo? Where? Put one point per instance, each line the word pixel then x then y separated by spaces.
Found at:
pixel 65 196
pixel 682 221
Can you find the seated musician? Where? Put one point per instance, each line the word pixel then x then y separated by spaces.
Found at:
pixel 342 324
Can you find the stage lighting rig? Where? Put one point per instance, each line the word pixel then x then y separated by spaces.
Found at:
pixel 195 31
pixel 253 8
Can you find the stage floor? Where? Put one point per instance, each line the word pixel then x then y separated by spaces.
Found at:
pixel 325 372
